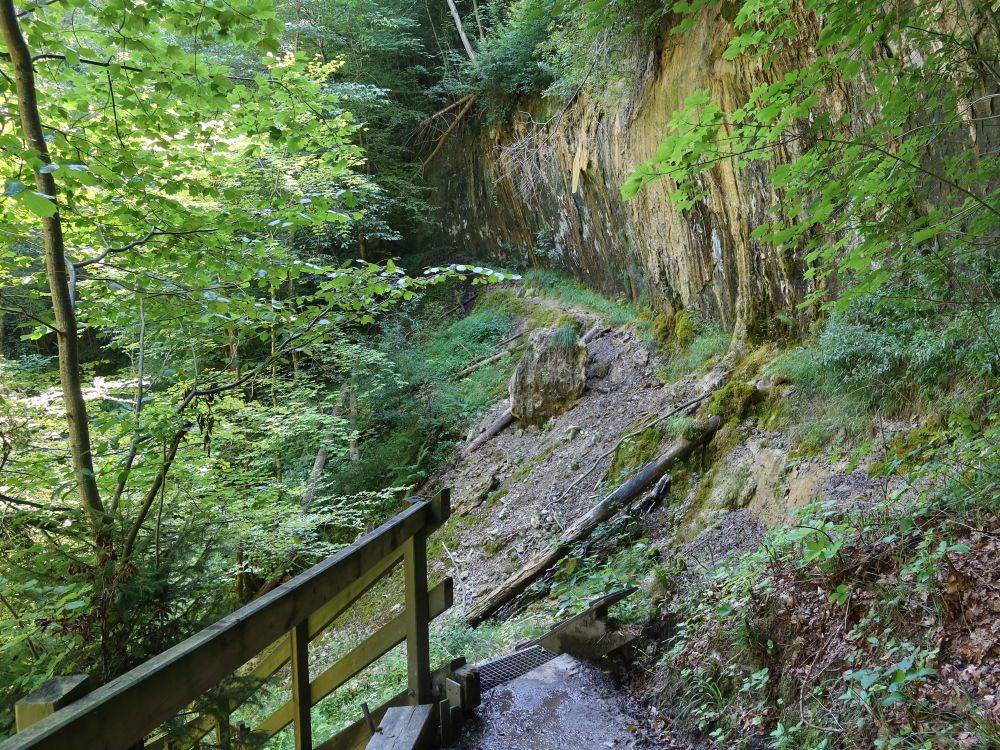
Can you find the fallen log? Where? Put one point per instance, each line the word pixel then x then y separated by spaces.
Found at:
pixel 592 334
pixel 496 426
pixel 635 433
pixel 627 492
pixel 490 359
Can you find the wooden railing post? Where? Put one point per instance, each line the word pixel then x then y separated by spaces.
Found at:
pixel 47 699
pixel 301 699
pixel 223 734
pixel 418 650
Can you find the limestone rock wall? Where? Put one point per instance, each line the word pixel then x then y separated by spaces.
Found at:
pixel 545 189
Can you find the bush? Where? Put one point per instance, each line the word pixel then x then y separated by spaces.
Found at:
pixel 509 63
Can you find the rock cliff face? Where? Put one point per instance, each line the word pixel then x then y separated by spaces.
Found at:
pixel 546 189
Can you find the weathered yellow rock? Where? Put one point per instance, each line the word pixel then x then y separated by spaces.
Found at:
pixel 559 173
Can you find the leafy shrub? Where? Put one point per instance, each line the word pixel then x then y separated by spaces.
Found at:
pixel 824 408
pixel 509 62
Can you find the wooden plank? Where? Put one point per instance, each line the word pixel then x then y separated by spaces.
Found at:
pixel 117 715
pixel 440 510
pixel 357 659
pixel 301 694
pixel 418 648
pixel 405 728
pixel 355 736
pixel 48 698
pixel 278 656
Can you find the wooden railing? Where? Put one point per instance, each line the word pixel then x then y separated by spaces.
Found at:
pixel 120 714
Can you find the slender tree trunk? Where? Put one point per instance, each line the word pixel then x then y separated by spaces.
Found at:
pixel 319 463
pixel 461 30
pixel 352 405
pixel 479 20
pixel 362 243
pixel 58 279
pixel 278 463
pixel 291 303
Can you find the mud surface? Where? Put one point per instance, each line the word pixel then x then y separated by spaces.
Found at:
pixel 565 704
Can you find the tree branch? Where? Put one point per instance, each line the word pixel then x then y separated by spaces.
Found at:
pixel 153 491
pixel 153 232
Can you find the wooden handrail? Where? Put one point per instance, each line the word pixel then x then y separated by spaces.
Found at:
pixel 121 713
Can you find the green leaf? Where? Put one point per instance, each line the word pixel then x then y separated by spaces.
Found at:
pixel 14 187
pixel 38 203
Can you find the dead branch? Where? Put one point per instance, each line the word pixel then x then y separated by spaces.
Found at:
pixel 451 128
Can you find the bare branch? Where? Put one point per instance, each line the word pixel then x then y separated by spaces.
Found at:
pixel 153 232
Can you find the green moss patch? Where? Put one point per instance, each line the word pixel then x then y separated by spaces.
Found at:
pixel 634 453
pixel 733 401
pixel 662 329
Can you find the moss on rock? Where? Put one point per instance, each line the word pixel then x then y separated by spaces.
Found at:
pixel 634 453
pixel 733 401
pixel 685 328
pixel 663 329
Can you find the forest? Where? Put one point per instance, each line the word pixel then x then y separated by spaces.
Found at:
pixel 269 268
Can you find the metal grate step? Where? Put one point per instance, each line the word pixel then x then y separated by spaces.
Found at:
pixel 506 668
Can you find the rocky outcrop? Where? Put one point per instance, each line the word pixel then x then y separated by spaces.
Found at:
pixel 545 189
pixel 550 377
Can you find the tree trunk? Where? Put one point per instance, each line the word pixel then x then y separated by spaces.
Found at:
pixel 479 20
pixel 461 30
pixel 352 409
pixel 58 279
pixel 629 491
pixel 362 243
pixel 319 463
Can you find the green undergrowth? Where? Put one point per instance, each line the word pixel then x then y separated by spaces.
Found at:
pixel 881 587
pixel 617 556
pixel 870 362
pixel 825 411
pixel 693 344
pixel 562 288
pixel 425 409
